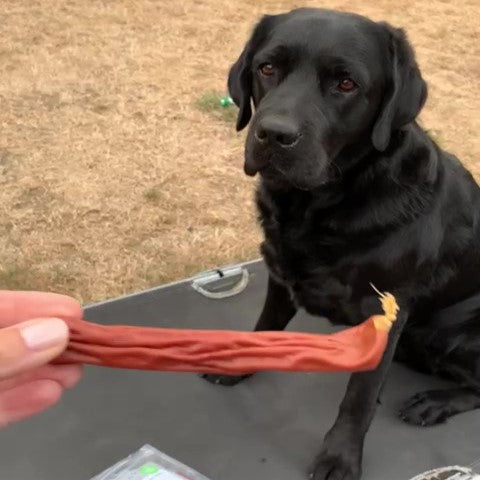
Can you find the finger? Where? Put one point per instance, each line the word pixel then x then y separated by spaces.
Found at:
pixel 66 375
pixel 26 400
pixel 20 306
pixel 31 344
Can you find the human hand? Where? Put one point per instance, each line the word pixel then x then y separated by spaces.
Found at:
pixel 31 335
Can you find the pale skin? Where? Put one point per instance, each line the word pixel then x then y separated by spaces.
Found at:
pixel 32 334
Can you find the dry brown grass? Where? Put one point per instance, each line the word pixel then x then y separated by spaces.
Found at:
pixel 113 180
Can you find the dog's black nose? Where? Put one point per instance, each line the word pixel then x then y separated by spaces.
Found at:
pixel 277 131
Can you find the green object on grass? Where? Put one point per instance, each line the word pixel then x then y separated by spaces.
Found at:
pixel 217 105
pixel 226 101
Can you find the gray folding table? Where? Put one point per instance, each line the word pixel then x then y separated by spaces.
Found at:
pixel 269 427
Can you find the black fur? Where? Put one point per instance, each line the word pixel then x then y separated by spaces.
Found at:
pixel 354 192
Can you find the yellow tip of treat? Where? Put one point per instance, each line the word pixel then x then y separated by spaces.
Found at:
pixel 390 310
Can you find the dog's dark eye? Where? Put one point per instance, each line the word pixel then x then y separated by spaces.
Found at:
pixel 346 85
pixel 267 69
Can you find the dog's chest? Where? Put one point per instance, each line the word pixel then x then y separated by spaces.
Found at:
pixel 309 259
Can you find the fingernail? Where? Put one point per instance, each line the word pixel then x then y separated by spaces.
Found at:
pixel 43 334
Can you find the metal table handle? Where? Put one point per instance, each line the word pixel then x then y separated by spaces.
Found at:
pixel 222 281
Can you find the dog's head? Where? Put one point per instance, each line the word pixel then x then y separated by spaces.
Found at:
pixel 321 82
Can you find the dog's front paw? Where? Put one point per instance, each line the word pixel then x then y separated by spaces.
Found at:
pixel 337 464
pixel 426 409
pixel 224 380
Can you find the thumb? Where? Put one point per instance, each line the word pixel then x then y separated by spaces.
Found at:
pixel 30 344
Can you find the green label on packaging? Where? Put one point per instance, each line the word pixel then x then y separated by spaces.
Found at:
pixel 152 471
pixel 149 469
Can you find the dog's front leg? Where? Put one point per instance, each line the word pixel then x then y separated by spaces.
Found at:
pixel 277 312
pixel 342 450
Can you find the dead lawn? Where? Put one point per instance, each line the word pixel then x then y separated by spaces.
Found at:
pixel 112 179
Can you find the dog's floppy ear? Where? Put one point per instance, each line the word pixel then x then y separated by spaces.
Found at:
pixel 240 88
pixel 240 81
pixel 406 90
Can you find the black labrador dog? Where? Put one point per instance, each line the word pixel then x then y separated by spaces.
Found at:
pixel 353 192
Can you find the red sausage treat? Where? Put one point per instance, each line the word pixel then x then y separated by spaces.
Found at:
pixel 230 352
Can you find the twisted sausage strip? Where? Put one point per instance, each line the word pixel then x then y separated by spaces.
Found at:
pixel 231 352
